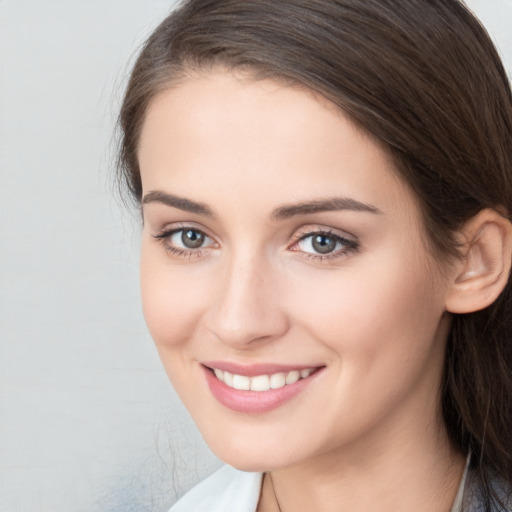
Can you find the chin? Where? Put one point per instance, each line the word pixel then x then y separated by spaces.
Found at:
pixel 256 456
pixel 249 463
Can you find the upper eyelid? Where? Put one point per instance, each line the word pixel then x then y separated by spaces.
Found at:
pixel 294 237
pixel 174 227
pixel 173 231
pixel 310 231
pixel 339 238
pixel 164 237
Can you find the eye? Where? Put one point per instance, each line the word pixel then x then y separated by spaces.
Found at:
pixel 319 242
pixel 186 241
pixel 188 238
pixel 324 244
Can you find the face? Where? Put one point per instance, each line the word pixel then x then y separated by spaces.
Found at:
pixel 284 275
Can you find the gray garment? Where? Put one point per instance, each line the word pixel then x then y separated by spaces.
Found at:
pixel 473 500
pixel 469 497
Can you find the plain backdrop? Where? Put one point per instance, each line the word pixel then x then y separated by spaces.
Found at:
pixel 88 421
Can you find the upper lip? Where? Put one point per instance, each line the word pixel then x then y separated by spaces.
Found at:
pixel 253 370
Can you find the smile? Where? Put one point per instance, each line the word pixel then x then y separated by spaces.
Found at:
pixel 259 388
pixel 261 382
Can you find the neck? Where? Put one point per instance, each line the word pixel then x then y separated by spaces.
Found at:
pixel 415 473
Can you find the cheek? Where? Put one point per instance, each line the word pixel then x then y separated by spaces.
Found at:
pixel 172 300
pixel 382 330
pixel 374 314
pixel 173 303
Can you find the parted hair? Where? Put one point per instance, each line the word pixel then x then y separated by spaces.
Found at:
pixel 422 77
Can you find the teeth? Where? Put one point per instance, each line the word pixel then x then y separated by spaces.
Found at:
pixel 262 382
pixel 228 379
pixel 241 382
pixel 278 380
pixel 292 377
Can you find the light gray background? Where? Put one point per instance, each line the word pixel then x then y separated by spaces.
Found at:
pixel 88 421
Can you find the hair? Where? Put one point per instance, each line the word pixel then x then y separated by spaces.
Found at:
pixel 423 78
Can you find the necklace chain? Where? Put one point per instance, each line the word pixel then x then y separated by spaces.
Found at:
pixel 274 491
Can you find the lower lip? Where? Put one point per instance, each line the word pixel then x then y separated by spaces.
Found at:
pixel 255 401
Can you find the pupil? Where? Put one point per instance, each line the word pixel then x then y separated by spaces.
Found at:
pixel 323 244
pixel 192 239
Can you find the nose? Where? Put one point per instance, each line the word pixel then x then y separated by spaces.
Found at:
pixel 247 309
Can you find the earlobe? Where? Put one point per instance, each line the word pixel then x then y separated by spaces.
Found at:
pixel 482 272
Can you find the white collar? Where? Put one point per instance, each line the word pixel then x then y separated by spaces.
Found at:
pixel 457 503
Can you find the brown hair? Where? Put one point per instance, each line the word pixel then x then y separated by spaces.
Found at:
pixel 424 78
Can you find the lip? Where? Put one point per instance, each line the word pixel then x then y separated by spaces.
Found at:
pixel 255 369
pixel 255 402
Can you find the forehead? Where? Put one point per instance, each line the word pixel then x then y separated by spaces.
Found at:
pixel 218 131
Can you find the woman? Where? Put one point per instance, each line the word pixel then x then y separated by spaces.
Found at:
pixel 326 190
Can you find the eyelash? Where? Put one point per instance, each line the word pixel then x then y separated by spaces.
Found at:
pixel 350 246
pixel 165 236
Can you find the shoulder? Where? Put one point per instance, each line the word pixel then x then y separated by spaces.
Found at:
pixel 227 490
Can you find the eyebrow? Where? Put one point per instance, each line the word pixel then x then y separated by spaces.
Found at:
pixel 281 213
pixel 323 205
pixel 181 203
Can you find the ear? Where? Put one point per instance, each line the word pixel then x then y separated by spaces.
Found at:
pixel 482 272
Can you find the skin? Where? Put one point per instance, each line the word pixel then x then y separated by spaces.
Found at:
pixel 366 432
